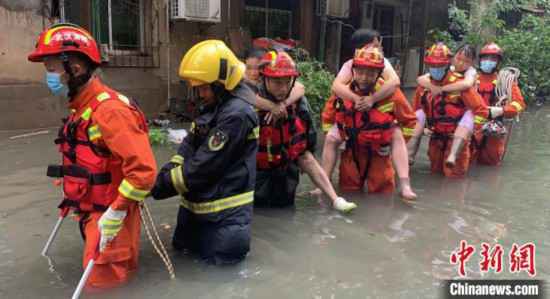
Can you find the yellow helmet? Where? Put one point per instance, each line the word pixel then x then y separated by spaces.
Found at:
pixel 210 61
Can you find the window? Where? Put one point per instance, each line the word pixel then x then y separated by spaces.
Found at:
pixel 118 27
pixel 273 21
pixel 118 23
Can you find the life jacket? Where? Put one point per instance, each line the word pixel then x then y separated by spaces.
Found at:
pixel 445 111
pixel 282 142
pixel 486 89
pixel 328 114
pixel 91 174
pixel 369 128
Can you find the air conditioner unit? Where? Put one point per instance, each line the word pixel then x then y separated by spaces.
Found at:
pixel 196 10
pixel 338 8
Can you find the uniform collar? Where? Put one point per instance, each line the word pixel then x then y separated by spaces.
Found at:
pixel 89 91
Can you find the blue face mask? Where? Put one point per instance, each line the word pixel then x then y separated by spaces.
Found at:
pixel 54 84
pixel 438 73
pixel 488 66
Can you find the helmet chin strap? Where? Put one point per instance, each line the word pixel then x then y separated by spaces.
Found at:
pixel 74 82
pixel 270 96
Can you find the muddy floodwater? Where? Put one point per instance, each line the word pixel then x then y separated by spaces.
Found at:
pixel 384 249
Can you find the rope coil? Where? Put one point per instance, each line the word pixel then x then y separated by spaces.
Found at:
pixel 505 81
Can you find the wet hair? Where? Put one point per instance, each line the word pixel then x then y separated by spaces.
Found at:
pixel 363 36
pixel 468 51
pixel 254 53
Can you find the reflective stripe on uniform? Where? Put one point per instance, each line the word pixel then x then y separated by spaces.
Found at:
pixel 86 114
pixel 479 120
pixel 407 131
pixel 219 204
pixel 177 159
pixel 378 86
pixel 94 133
pixel 176 175
pixel 124 99
pixel 517 105
pixel 326 127
pixel 103 96
pixel 386 108
pixel 255 134
pixel 131 192
pixel 269 154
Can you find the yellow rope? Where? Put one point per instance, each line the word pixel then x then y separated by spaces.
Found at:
pixel 147 220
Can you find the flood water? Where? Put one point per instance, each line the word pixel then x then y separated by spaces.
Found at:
pixel 384 249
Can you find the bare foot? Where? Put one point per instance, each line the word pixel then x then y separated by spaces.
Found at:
pixel 450 162
pixel 316 192
pixel 408 194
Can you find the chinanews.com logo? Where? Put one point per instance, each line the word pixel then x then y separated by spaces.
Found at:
pixel 520 259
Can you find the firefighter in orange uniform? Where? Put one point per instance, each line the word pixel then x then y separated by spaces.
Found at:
pixel 443 113
pixel 286 146
pixel 369 134
pixel 490 142
pixel 108 167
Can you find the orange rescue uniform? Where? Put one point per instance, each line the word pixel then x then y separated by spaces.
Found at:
pixel 443 113
pixel 328 114
pixel 361 160
pixel 125 137
pixel 489 150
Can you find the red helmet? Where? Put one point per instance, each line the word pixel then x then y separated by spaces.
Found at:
pixel 369 56
pixel 438 55
pixel 65 38
pixel 491 49
pixel 278 64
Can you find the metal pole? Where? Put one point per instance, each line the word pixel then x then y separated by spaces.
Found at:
pixel 338 43
pixel 110 24
pixel 83 279
pixel 62 11
pixel 52 235
pixel 169 78
pixel 322 37
pixel 266 18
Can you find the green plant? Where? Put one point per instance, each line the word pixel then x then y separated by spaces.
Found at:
pixel 317 80
pixel 528 48
pixel 158 137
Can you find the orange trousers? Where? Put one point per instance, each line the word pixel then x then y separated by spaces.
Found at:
pixel 379 172
pixel 438 152
pixel 489 150
pixel 119 259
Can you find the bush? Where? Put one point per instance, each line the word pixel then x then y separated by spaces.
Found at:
pixel 528 48
pixel 317 80
pixel 158 136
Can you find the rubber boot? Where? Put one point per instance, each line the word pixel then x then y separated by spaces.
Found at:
pixel 412 148
pixel 406 190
